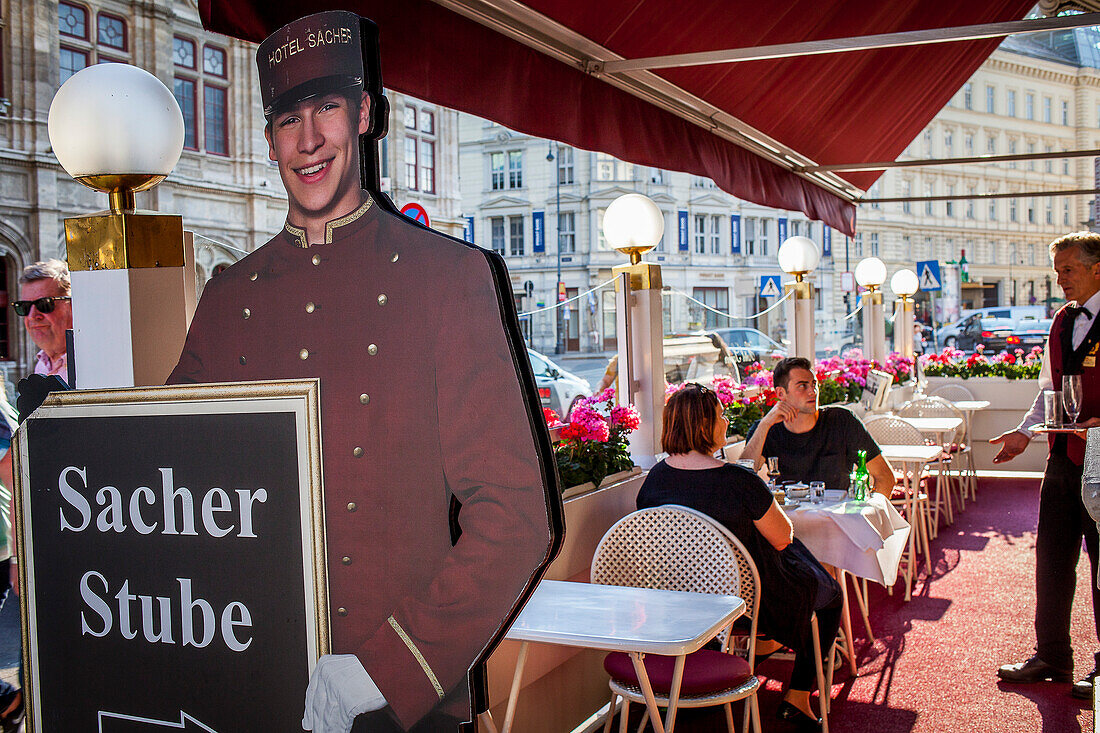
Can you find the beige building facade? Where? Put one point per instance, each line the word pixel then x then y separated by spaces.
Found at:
pixel 1037 95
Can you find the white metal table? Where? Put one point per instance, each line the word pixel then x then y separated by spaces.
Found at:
pixel 912 458
pixel 637 621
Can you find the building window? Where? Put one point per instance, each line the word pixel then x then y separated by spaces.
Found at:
pixel 1010 103
pixel 1049 163
pixel 1012 205
pixel 81 45
pixel 1050 210
pixel 715 230
pixel 1047 109
pixel 906 191
pixel 1031 211
pixel 496 171
pixel 496 227
pixel 420 149
pixel 874 244
pixel 410 163
pixel 968 96
pixel 515 236
pixel 515 169
pixel 1031 151
pixel 990 99
pixel 609 168
pixel 968 143
pixel 1029 106
pixel 700 233
pixel 1065 112
pixel 749 234
pixel 206 86
pixel 971 192
pixel 993 209
pixel 1011 151
pixel 565 165
pixel 948 143
pixel 1065 164
pixel 857 245
pixel 716 298
pixel 764 231
pixel 929 190
pixel 950 205
pixel 928 143
pixel 1065 211
pixel 567 231
pixel 991 145
pixel 111 32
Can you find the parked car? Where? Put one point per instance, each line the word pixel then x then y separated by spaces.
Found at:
pixel 992 333
pixel 1030 333
pixel 698 358
pixel 948 334
pixel 747 345
pixel 559 389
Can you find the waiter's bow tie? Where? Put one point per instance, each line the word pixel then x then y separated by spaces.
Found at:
pixel 1072 311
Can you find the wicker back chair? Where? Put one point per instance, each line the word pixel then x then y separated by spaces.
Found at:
pixel 958 456
pixel 676 548
pixel 953 392
pixel 888 430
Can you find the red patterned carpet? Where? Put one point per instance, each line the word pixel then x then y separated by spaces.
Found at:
pixel 933 665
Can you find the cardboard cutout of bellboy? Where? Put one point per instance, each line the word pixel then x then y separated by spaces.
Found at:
pixel 441 504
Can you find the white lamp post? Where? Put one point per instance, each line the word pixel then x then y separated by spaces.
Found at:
pixel 871 274
pixel 116 128
pixel 799 256
pixel 633 225
pixel 904 283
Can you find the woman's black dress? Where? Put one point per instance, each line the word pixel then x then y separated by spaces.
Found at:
pixel 793 581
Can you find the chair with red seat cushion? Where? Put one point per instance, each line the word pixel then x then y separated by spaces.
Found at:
pixel 676 548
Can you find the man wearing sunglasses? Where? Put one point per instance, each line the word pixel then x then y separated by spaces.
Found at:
pixel 45 304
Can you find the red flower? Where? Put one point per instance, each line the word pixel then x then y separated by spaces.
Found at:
pixel 551 417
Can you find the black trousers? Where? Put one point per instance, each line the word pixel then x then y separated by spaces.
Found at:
pixel 1063 521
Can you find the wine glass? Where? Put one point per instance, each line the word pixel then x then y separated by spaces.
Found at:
pixel 1071 396
pixel 773 470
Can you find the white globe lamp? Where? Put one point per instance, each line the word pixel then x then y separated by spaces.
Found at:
pixel 904 283
pixel 633 225
pixel 798 256
pixel 871 273
pixel 116 128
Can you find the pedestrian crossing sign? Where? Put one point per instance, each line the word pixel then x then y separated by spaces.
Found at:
pixel 928 273
pixel 770 286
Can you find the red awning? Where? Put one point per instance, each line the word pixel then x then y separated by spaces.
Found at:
pixel 854 107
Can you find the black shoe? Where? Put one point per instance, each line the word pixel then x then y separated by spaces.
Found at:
pixel 790 713
pixel 1082 688
pixel 1033 670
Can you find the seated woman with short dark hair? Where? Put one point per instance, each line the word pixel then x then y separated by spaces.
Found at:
pixel 793 583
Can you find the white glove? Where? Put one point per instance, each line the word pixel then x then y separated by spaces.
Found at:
pixel 338 690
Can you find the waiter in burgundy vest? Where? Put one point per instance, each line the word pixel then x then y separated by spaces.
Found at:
pixel 1073 347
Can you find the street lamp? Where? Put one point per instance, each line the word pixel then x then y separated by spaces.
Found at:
pixel 799 256
pixel 117 129
pixel 904 283
pixel 633 225
pixel 871 274
pixel 559 332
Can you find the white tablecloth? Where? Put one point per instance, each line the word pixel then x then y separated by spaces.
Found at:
pixel 866 538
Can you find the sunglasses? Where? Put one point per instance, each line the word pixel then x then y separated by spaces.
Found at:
pixel 44 305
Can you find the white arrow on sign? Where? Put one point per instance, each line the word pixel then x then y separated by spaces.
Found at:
pixel 928 281
pixel 182 724
pixel 770 289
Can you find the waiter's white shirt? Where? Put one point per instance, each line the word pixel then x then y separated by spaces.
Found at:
pixel 1081 327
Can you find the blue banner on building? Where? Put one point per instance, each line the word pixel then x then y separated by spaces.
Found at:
pixel 468 230
pixel 827 241
pixel 735 234
pixel 682 217
pixel 782 229
pixel 538 224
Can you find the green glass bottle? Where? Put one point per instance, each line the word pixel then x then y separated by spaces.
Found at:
pixel 863 479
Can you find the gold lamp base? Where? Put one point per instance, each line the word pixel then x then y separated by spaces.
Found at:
pixel 123 238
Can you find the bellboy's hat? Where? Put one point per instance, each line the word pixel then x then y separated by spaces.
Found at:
pixel 317 54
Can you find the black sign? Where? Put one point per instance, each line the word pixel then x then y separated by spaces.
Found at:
pixel 172 552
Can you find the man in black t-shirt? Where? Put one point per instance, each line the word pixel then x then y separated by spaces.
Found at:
pixel 813 443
